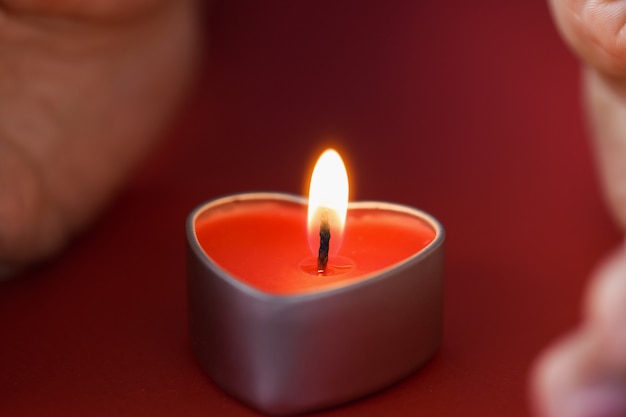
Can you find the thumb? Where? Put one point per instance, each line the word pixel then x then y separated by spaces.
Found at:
pixel 595 30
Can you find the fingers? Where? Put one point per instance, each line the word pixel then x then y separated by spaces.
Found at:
pixel 606 309
pixel 90 9
pixel 80 107
pixel 567 383
pixel 595 30
pixel 585 375
pixel 30 223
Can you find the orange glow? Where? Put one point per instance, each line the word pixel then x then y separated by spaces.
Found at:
pixel 328 193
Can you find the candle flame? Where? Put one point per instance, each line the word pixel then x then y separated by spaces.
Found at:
pixel 328 196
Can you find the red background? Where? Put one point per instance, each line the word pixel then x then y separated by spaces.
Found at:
pixel 469 110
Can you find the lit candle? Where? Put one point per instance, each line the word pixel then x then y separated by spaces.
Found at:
pixel 296 308
pixel 328 204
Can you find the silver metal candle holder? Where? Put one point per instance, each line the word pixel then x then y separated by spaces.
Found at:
pixel 289 354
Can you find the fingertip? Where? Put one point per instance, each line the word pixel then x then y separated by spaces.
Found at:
pixel 606 305
pixel 571 380
pixel 597 399
pixel 594 30
pixel 555 374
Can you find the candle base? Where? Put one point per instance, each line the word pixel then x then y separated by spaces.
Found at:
pixel 290 354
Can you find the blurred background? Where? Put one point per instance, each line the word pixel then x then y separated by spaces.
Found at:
pixel 468 110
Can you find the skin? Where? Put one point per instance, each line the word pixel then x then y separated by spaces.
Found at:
pixel 584 375
pixel 87 87
pixel 86 90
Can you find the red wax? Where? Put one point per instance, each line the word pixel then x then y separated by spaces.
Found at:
pixel 264 242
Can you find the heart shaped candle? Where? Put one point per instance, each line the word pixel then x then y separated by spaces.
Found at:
pixel 287 331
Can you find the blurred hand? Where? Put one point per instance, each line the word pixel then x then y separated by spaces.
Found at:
pixel 585 374
pixel 86 88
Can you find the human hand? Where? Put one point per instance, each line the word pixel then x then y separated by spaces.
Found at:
pixel 596 31
pixel 585 374
pixel 86 88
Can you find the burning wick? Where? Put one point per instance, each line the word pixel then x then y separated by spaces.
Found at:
pixel 322 257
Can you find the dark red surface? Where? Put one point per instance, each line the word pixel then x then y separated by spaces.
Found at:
pixel 468 110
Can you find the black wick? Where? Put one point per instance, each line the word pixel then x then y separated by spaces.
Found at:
pixel 322 257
